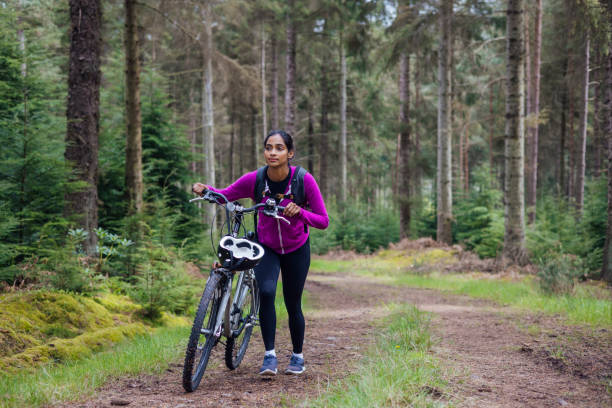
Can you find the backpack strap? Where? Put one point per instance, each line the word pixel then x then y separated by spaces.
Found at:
pixel 260 184
pixel 297 186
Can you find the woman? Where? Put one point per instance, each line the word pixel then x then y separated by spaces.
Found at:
pixel 287 247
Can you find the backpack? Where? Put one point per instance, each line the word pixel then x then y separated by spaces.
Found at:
pixel 297 185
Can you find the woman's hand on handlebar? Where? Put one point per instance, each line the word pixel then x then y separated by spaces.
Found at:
pixel 292 210
pixel 199 188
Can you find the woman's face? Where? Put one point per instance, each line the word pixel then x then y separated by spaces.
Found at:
pixel 276 153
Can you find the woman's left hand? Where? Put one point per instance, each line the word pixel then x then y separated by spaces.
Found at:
pixel 292 210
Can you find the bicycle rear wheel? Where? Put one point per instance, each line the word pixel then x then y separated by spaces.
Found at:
pixel 202 339
pixel 244 317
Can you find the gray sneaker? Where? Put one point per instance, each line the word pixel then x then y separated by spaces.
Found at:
pixel 296 366
pixel 269 366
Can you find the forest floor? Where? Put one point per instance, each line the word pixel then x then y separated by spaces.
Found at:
pixel 492 355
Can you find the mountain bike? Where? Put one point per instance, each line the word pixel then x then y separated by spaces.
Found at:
pixel 229 306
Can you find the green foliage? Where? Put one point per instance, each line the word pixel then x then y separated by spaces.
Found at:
pixel 558 273
pixel 357 228
pixel 32 127
pixel 161 283
pixel 479 222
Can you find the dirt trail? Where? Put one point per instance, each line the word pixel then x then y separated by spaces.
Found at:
pixel 495 357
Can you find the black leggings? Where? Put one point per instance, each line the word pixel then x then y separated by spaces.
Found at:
pixel 294 267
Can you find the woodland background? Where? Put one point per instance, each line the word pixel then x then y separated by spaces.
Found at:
pixel 480 122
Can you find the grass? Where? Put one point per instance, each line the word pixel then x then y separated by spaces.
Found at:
pixel 587 305
pixel 53 384
pixel 398 370
pixel 150 353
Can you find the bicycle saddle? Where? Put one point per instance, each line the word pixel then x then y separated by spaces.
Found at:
pixel 239 252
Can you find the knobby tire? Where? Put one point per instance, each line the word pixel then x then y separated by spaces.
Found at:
pixel 192 379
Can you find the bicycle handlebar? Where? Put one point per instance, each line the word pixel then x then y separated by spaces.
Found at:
pixel 270 208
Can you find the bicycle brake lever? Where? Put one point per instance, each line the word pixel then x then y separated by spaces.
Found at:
pixel 282 219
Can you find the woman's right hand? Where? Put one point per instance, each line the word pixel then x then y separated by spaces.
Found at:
pixel 199 188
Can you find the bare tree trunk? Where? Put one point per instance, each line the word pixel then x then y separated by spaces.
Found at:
pixel 417 173
pixel 514 237
pixel 606 271
pixel 241 144
pixel 254 138
pixel 570 134
pixel 597 122
pixel 534 112
pixel 232 141
pixel 324 134
pixel 193 131
pixel 584 113
pixel 404 144
pixel 208 118
pixel 343 154
pixel 264 113
pixel 563 131
pixel 398 163
pixel 444 172
pixel 23 179
pixel 310 133
pixel 466 153
pixel 274 69
pixel 491 130
pixel 133 151
pixel 290 74
pixel 83 113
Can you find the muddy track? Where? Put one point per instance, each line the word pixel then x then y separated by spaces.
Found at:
pixel 493 355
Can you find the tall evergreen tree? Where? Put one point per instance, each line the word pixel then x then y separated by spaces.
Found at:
pixel 133 152
pixel 514 236
pixel 444 169
pixel 83 113
pixel 606 272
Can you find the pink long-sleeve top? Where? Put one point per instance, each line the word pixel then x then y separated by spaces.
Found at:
pixel 276 234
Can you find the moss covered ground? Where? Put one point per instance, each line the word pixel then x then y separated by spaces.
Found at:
pixel 41 327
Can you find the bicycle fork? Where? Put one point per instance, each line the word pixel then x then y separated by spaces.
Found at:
pixel 217 328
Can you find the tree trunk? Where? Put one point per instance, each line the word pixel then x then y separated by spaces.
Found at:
pixel 208 118
pixel 23 179
pixel 514 237
pixel 264 112
pixel 274 69
pixel 310 133
pixel 491 130
pixel 232 141
pixel 606 272
pixel 324 133
pixel 444 175
pixel 597 120
pixel 343 154
pixel 534 112
pixel 254 139
pixel 193 132
pixel 466 154
pixel 417 173
pixel 404 145
pixel 133 151
pixel 563 136
pixel 290 73
pixel 570 134
pixel 83 113
pixel 584 113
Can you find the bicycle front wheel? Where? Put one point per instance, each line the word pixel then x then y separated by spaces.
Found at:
pixel 202 338
pixel 243 319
